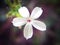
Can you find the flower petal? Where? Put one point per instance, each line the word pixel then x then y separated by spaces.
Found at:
pixel 39 25
pixel 36 13
pixel 24 12
pixel 18 22
pixel 28 31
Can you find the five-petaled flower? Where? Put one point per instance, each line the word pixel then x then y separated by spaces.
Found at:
pixel 29 21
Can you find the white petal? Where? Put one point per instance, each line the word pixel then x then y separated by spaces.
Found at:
pixel 36 13
pixel 28 31
pixel 39 25
pixel 24 12
pixel 18 22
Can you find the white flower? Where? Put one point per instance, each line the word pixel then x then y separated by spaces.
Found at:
pixel 29 20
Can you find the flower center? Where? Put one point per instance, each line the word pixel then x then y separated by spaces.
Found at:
pixel 28 20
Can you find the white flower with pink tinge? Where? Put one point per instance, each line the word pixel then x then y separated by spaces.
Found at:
pixel 29 21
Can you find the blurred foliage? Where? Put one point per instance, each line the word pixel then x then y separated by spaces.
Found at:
pixel 14 5
pixel 36 40
pixel 53 2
